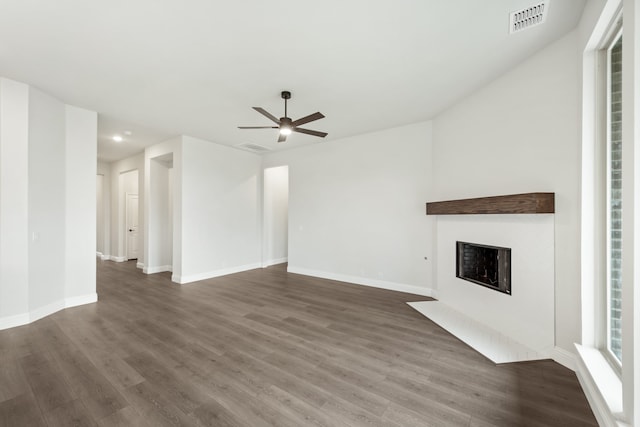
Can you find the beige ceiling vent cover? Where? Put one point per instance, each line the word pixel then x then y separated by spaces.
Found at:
pixel 529 17
pixel 253 147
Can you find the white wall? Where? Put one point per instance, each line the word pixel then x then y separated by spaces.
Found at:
pixel 46 199
pixel 357 208
pixel 521 134
pixel 275 231
pixel 100 214
pixel 14 203
pixel 220 189
pixel 47 209
pixel 81 151
pixel 169 232
pixel 103 204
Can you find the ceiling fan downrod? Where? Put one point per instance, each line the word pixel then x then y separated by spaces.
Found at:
pixel 285 95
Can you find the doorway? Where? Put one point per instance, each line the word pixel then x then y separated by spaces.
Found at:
pixel 131 225
pixel 129 245
pixel 159 249
pixel 276 216
pixel 100 235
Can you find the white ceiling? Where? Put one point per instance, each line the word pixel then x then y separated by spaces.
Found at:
pixel 160 68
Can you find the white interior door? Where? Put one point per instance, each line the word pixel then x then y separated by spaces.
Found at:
pixel 132 226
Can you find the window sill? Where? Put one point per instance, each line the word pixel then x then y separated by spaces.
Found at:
pixel 601 385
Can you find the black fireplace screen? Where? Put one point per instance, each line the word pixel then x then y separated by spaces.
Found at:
pixel 489 266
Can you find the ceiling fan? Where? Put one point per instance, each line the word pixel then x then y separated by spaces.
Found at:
pixel 285 124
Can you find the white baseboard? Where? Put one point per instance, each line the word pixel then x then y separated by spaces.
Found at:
pixel 564 357
pixel 117 258
pixel 46 310
pixel 596 376
pixel 216 273
pixel 271 262
pixel 158 269
pixel 80 300
pixel 392 286
pixel 102 256
pixel 140 265
pixel 13 321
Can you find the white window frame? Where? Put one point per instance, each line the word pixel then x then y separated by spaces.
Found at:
pixel 604 78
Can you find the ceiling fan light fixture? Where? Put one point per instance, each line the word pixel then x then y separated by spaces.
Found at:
pixel 285 125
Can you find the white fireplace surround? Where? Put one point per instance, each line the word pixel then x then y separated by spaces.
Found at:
pixel 526 317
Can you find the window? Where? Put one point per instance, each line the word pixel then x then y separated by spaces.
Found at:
pixel 607 353
pixel 614 198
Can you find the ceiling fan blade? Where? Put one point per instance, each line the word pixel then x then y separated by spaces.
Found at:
pixel 257 127
pixel 311 132
pixel 267 114
pixel 282 138
pixel 307 119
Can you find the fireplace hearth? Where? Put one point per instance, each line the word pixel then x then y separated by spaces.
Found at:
pixel 484 265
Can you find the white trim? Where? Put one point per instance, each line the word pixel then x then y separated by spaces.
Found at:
pixel 139 265
pixel 216 273
pixel 271 262
pixel 13 321
pixel 596 376
pixel 80 300
pixel 46 310
pixel 564 357
pixel 392 286
pixel 102 256
pixel 118 258
pixel 158 269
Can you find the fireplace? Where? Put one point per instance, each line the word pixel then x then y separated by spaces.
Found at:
pixel 488 266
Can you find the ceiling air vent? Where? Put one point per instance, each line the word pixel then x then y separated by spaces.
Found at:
pixel 255 148
pixel 528 17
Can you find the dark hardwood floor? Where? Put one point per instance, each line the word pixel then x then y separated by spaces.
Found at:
pixel 262 348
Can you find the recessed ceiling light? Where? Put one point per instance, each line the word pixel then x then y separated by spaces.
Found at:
pixel 117 138
pixel 127 132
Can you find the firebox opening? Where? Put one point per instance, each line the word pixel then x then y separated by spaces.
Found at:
pixel 488 266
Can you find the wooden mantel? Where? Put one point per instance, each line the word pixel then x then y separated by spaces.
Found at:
pixel 528 203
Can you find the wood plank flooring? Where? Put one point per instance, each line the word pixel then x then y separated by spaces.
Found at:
pixel 264 348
